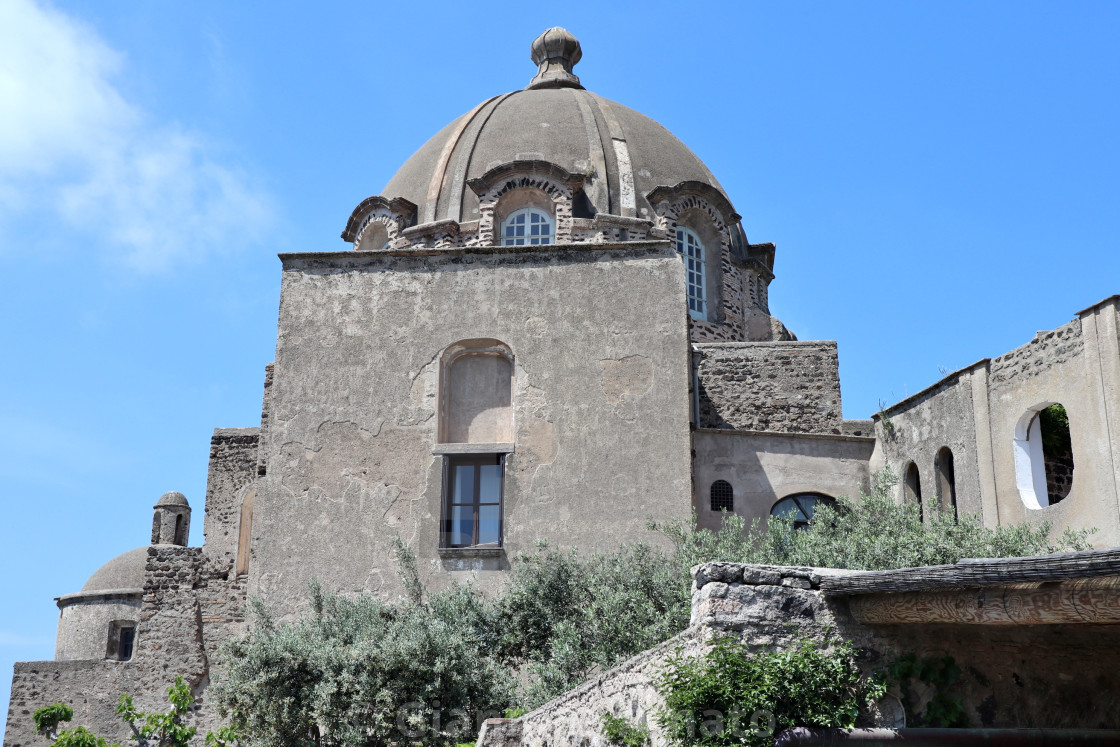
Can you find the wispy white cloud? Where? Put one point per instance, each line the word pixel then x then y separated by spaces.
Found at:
pixel 154 194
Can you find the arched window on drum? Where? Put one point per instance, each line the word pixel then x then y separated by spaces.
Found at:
pixel 692 250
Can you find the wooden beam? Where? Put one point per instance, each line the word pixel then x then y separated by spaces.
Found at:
pixel 976 573
pixel 1080 601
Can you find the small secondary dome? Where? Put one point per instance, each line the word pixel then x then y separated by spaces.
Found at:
pixel 620 154
pixel 126 571
pixel 172 498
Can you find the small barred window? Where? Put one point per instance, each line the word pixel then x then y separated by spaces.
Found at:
pixel 527 226
pixel 692 249
pixel 723 497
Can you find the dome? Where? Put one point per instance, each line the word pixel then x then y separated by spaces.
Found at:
pixel 125 571
pixel 623 155
pixel 173 498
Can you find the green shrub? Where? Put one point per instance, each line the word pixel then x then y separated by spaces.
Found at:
pixel 49 717
pixel 621 732
pixel 731 696
pixel 363 671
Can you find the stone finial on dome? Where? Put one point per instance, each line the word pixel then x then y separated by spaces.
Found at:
pixel 556 52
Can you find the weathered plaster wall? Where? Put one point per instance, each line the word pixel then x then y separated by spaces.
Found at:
pixel 232 469
pixel 762 468
pixel 1077 366
pixel 600 406
pixel 84 620
pixel 976 412
pixel 791 387
pixel 939 417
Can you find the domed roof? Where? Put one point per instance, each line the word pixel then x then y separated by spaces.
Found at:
pixel 624 154
pixel 172 498
pixel 125 571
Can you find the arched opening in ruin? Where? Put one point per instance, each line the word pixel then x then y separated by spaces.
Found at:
pixel 1044 455
pixel 912 487
pixel 946 480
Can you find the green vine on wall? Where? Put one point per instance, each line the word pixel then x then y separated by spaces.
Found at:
pixel 938 674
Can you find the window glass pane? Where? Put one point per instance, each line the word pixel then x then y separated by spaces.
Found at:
pixel 488 525
pixel 461 529
pixel 489 483
pixel 463 489
pixel 128 635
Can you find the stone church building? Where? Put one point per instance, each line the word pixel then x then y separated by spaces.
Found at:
pixel 551 325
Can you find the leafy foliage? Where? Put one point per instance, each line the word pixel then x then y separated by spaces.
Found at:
pixel 149 729
pixel 363 671
pixel 731 696
pixel 49 717
pixel 621 732
pixel 80 736
pixel 941 674
pixel 1054 429
pixel 161 729
pixel 873 533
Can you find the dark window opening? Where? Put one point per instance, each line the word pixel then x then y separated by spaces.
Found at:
pixel 946 480
pixel 473 501
pixel 722 496
pixel 913 488
pixel 801 508
pixel 1057 451
pixel 122 640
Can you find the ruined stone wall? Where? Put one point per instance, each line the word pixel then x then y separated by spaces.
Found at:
pixel 791 387
pixel 918 428
pixel 91 688
pixel 1026 676
pixel 233 468
pixel 600 407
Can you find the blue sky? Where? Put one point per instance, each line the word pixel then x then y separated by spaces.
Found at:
pixel 941 180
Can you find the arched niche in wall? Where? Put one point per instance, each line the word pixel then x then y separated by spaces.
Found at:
pixel 1043 448
pixel 476 392
pixel 946 480
pixel 912 487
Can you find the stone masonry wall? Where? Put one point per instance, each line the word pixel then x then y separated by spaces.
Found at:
pixel 191 604
pixel 1048 349
pixel 233 467
pixel 1013 676
pixel 789 387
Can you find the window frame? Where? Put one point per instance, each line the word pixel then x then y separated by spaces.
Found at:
pixel 683 235
pixel 818 498
pixel 476 459
pixel 713 498
pixel 528 239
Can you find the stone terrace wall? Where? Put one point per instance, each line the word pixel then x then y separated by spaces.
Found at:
pixel 789 387
pixel 1022 676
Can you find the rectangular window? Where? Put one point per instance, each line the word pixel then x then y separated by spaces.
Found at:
pixel 128 637
pixel 472 510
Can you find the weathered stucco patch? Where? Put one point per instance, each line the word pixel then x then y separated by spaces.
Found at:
pixel 629 377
